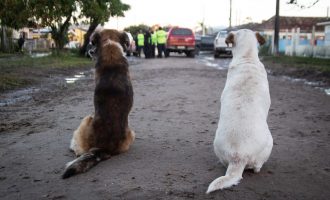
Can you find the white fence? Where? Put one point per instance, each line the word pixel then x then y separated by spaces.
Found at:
pixel 311 49
pixel 308 51
pixel 41 44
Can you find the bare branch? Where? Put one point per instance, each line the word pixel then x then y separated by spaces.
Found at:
pixel 302 6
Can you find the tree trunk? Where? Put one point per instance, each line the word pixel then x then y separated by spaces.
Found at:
pixel 59 34
pixel 90 30
pixel 59 38
pixel 4 40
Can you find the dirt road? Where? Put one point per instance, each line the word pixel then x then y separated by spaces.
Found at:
pixel 175 115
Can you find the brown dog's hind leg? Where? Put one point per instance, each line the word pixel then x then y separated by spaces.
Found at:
pixel 130 137
pixel 81 136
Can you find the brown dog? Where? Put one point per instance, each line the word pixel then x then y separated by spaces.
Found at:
pixel 106 133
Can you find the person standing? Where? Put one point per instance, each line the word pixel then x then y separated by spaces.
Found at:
pixel 161 40
pixel 153 43
pixel 140 43
pixel 21 41
pixel 147 44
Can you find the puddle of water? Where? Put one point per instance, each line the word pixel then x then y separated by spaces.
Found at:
pixel 327 91
pixel 210 61
pixel 17 96
pixel 27 94
pixel 76 77
pixel 317 85
pixel 224 63
pixel 39 55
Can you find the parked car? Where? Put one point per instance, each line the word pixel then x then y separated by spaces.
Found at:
pixel 132 48
pixel 180 40
pixel 205 43
pixel 220 46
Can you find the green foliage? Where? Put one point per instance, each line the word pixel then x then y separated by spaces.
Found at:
pixel 134 30
pixel 58 14
pixel 55 14
pixel 98 12
pixel 101 10
pixel 14 13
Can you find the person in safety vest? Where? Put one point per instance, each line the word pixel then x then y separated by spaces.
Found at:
pixel 153 43
pixel 161 41
pixel 140 43
pixel 147 44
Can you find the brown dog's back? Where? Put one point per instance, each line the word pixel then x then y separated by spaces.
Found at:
pixel 113 100
pixel 108 132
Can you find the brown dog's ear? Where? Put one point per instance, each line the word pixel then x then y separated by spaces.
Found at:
pixel 124 41
pixel 95 37
pixel 260 39
pixel 230 39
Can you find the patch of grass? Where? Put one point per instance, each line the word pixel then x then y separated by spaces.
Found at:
pixel 8 82
pixel 44 62
pixel 305 63
pixel 5 55
pixel 20 70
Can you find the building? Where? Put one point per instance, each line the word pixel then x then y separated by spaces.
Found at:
pixel 302 36
pixel 326 32
pixel 76 34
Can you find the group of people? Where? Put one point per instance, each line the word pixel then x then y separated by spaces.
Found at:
pixel 149 41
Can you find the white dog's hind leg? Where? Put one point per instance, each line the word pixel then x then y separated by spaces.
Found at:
pixel 263 156
pixel 233 176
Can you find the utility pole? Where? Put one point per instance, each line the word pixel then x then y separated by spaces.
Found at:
pixel 230 14
pixel 277 28
pixel 203 22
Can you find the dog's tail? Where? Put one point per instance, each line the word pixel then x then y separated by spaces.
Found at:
pixel 84 162
pixel 233 176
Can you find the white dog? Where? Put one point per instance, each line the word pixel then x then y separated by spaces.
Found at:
pixel 243 139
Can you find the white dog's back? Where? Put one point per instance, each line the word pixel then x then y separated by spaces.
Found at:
pixel 243 139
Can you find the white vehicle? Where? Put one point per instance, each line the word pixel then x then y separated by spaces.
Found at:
pixel 220 46
pixel 131 49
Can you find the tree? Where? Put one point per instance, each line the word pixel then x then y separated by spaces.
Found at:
pixel 98 12
pixel 59 15
pixel 134 30
pixel 13 14
pixel 55 14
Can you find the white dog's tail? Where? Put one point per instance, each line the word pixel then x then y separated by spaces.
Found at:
pixel 233 176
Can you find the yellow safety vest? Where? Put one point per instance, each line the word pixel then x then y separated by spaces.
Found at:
pixel 154 39
pixel 140 38
pixel 161 37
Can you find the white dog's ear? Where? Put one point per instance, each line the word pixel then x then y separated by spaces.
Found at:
pixel 260 39
pixel 230 39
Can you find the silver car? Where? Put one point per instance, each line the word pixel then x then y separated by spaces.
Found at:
pixel 220 46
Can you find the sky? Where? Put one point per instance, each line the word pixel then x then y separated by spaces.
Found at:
pixel 214 13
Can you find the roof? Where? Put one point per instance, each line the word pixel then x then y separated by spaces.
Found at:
pixel 251 26
pixel 304 23
pixel 324 23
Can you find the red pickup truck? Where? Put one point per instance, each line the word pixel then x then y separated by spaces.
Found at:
pixel 180 40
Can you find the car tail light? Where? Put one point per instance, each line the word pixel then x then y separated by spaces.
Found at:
pixel 190 39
